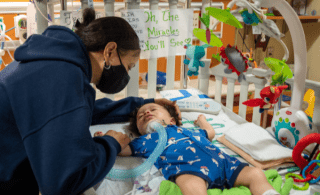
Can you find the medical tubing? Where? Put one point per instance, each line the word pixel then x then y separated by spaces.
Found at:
pixel 120 174
pixel 40 11
pixel 14 45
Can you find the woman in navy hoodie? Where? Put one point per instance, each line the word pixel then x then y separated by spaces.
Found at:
pixel 47 105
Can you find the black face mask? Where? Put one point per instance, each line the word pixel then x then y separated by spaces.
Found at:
pixel 113 78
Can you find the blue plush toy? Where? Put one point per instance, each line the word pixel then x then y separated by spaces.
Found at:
pixel 194 53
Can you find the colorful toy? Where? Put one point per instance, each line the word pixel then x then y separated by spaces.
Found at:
pixel 300 146
pixel 224 16
pixel 207 36
pixel 281 70
pixel 311 172
pixel 249 56
pixel 235 60
pixel 194 53
pixel 306 184
pixel 250 19
pixel 275 179
pixel 310 98
pixel 269 96
pixel 290 125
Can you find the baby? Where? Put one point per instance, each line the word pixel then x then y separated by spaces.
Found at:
pixel 190 159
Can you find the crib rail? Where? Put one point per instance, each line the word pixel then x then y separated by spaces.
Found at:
pixel 316 87
pixel 218 72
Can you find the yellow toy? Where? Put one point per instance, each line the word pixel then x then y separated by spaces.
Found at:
pixel 310 98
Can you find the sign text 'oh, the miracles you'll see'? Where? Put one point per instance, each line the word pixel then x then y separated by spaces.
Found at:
pixel 162 33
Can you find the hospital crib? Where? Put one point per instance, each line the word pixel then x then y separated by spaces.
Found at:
pixel 299 82
pixel 300 58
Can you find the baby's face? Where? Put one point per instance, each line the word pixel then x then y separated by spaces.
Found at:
pixel 150 112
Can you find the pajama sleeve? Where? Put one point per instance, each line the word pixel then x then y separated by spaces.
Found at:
pixel 204 133
pixel 144 145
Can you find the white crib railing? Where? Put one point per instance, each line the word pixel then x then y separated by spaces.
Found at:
pixel 218 72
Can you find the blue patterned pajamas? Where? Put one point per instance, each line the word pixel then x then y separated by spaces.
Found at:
pixel 190 152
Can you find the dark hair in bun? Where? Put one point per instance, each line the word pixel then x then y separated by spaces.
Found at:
pixel 97 33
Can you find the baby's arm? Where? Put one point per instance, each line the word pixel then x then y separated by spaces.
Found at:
pixel 203 124
pixel 126 152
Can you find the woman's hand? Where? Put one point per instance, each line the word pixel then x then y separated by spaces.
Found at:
pixel 164 101
pixel 121 138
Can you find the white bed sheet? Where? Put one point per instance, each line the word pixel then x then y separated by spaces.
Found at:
pixel 221 123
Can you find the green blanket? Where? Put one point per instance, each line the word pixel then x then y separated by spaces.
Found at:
pixel 273 177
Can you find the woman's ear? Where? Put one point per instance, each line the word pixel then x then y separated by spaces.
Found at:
pixel 110 47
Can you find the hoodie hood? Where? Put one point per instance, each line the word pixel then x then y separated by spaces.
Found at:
pixel 56 43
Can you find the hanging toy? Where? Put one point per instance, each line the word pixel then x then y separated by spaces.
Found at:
pixel 269 96
pixel 249 55
pixel 207 36
pixel 250 19
pixel 194 53
pixel 224 16
pixel 281 70
pixel 291 125
pixel 235 61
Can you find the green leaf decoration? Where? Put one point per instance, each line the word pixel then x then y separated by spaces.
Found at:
pixel 205 19
pixel 224 16
pixel 201 35
pixel 281 70
pixel 217 57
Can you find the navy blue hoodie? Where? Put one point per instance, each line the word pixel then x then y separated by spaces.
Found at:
pixel 46 107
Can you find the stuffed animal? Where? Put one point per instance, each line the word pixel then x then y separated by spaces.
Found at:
pixel 273 177
pixel 250 19
pixel 269 96
pixel 194 53
pixel 234 60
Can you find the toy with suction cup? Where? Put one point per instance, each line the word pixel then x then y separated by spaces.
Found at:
pixel 291 125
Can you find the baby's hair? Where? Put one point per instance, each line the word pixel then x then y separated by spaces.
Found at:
pixel 132 128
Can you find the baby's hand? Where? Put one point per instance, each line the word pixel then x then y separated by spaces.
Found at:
pixel 200 121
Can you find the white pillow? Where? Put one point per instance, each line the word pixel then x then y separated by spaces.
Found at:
pixel 257 142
